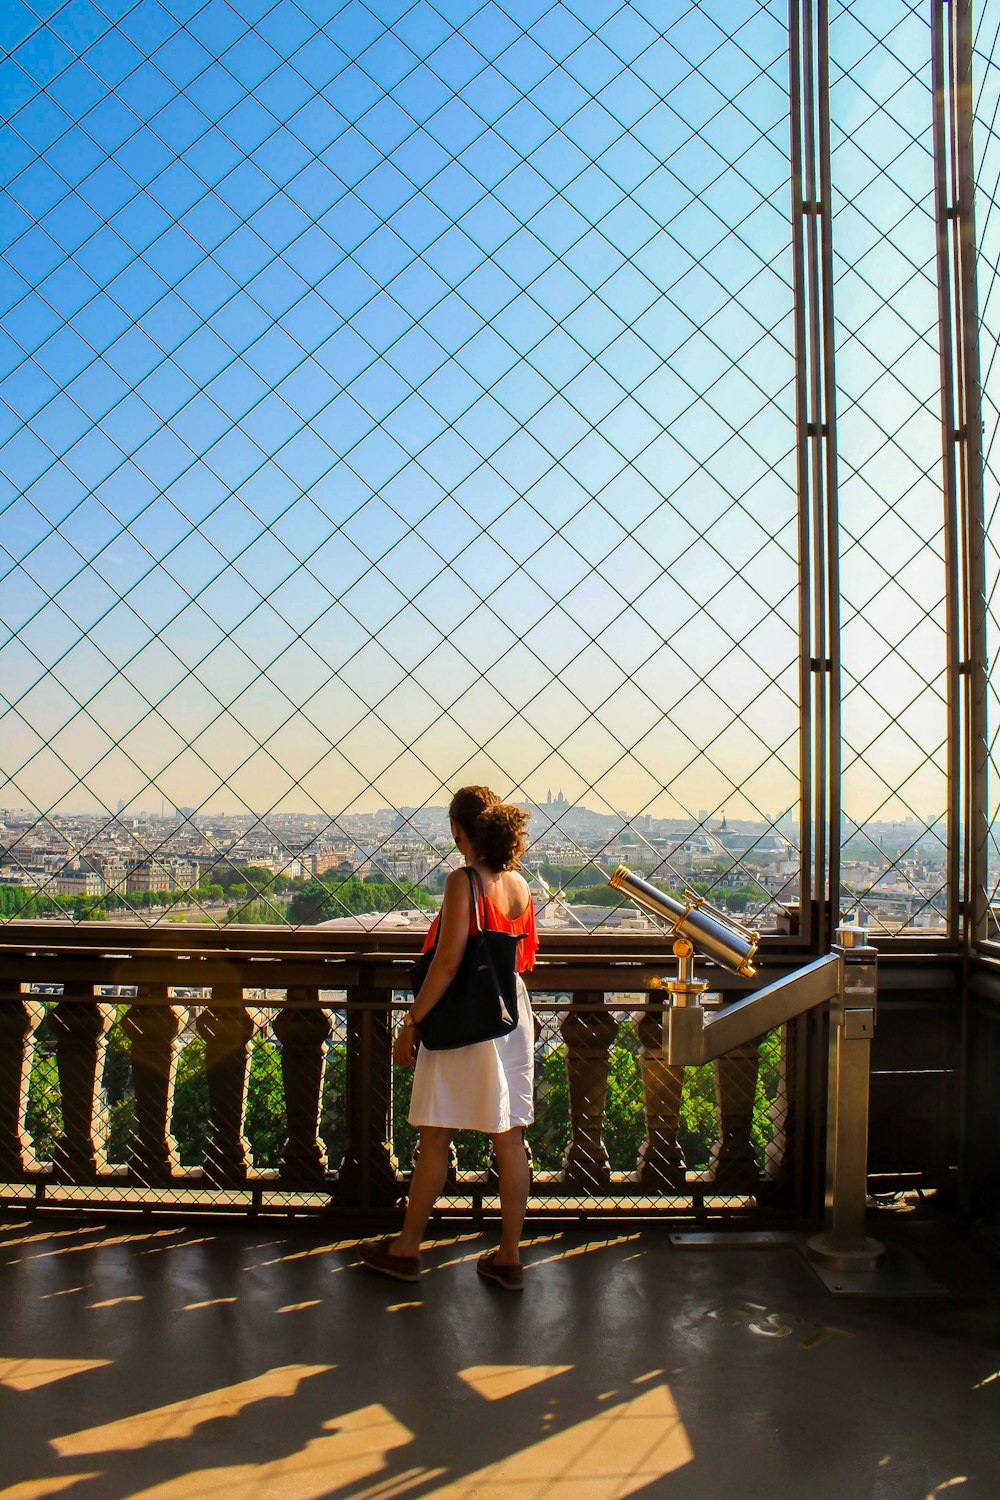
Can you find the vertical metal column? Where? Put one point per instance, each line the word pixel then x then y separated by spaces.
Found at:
pixel 812 266
pixel 961 423
pixel 970 472
pixel 951 438
pixel 826 353
pixel 970 454
pixel 843 1243
pixel 799 219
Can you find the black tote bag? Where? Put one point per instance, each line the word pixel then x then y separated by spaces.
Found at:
pixel 480 1004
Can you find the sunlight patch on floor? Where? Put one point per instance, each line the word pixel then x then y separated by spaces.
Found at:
pixel 592 1247
pixel 101 1244
pixel 617 1452
pixel 38 1489
pixel 355 1452
pixel 311 1254
pixel 29 1374
pixel 494 1382
pixel 204 1239
pixel 181 1418
pixel 42 1235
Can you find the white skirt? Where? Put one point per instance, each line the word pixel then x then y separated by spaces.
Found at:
pixel 488 1086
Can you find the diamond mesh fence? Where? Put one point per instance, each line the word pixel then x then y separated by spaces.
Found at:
pixel 395 397
pixel 893 581
pixel 615 1126
pixel 986 95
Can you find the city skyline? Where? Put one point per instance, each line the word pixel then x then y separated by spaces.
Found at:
pixel 396 401
pixel 303 870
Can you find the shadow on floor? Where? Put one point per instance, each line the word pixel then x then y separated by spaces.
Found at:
pixel 200 1361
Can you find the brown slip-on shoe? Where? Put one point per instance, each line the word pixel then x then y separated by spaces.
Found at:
pixel 375 1255
pixel 511 1278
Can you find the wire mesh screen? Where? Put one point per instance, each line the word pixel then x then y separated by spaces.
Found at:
pixel 616 1126
pixel 986 95
pixel 226 1100
pixel 394 396
pixel 893 582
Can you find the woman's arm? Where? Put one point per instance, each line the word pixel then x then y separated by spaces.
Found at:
pixel 453 934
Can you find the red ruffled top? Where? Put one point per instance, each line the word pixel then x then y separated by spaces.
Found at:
pixel 525 924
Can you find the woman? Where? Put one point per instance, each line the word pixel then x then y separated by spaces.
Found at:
pixel 488 1086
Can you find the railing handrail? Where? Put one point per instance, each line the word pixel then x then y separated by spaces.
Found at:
pixel 20 941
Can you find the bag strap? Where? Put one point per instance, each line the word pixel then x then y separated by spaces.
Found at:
pixel 478 893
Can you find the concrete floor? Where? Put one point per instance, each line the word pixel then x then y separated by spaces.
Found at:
pixel 204 1361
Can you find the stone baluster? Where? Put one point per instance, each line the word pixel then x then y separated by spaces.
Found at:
pixel 781 1183
pixel 451 1176
pixel 527 1144
pixel 302 1029
pixel 777 1155
pixel 661 1164
pixel 19 1017
pixel 226 1029
pixel 491 1176
pixel 734 1165
pixel 151 1026
pixel 368 1172
pixel 78 1023
pixel 588 1035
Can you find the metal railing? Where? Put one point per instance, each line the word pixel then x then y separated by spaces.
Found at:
pixel 244 1080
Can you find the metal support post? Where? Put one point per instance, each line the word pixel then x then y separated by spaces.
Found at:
pixel 843 1244
pixel 846 978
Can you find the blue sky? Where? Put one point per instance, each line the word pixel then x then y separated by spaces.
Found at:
pixel 407 389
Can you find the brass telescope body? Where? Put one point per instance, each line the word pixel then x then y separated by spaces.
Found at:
pixel 693 922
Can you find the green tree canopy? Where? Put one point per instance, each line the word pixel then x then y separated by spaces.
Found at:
pixel 318 901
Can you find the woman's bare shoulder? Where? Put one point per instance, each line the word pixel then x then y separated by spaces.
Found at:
pixel 517 894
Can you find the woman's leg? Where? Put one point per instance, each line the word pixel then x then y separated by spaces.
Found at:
pixel 426 1182
pixel 515 1181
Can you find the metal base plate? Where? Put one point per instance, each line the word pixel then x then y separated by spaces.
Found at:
pixel 735 1239
pixel 864 1257
pixel 896 1274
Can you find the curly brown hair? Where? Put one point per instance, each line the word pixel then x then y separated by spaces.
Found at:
pixel 497 830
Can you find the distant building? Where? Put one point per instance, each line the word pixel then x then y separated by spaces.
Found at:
pixel 162 875
pixel 33 879
pixel 80 883
pixel 148 875
pixel 330 859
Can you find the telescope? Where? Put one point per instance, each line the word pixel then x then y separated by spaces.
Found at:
pixel 694 924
